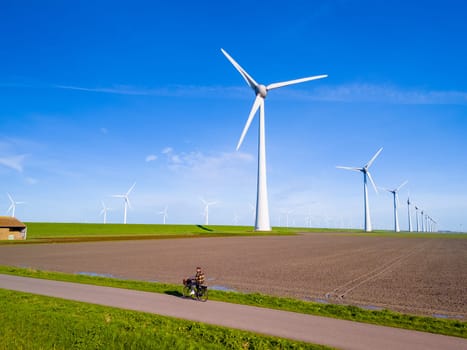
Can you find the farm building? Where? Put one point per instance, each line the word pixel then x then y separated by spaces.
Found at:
pixel 11 228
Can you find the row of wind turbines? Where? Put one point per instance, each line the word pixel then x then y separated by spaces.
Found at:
pixel 427 223
pixel 164 212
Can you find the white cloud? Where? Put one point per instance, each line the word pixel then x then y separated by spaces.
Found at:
pixel 169 91
pixel 167 150
pixel 31 181
pixel 13 162
pixel 382 93
pixel 151 158
pixel 207 164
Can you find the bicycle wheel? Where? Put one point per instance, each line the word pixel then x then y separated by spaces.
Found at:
pixel 203 294
pixel 186 291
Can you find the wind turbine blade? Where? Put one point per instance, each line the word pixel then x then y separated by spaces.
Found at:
pixel 372 182
pixel 128 202
pixel 249 80
pixel 202 200
pixel 10 208
pixel 349 168
pixel 373 159
pixel 11 199
pixel 402 185
pixel 131 189
pixel 296 81
pixel 258 102
pixel 118 196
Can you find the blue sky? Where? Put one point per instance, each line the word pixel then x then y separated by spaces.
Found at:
pixel 97 95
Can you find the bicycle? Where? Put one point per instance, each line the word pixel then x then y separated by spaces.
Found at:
pixel 200 293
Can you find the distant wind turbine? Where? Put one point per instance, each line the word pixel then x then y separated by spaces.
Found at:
pixel 408 213
pixel 12 207
pixel 421 220
pixel 262 222
pixel 253 210
pixel 235 219
pixel 104 212
pixel 396 201
pixel 416 217
pixel 164 213
pixel 366 174
pixel 206 210
pixel 287 213
pixel 126 199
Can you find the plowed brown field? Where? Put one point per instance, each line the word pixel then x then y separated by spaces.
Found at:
pixel 416 275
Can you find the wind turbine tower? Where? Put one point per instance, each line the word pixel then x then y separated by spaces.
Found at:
pixel 262 222
pixel 416 217
pixel 408 213
pixel 164 214
pixel 126 199
pixel 104 212
pixel 421 220
pixel 12 207
pixel 206 210
pixel 287 213
pixel 396 201
pixel 366 174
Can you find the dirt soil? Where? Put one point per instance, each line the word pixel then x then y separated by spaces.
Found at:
pixel 426 276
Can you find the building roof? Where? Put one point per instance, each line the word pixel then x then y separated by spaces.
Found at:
pixel 8 221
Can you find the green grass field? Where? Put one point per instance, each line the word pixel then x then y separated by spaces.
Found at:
pixel 37 322
pixel 352 313
pixel 75 230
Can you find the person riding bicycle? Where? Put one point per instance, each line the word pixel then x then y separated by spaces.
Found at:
pixel 198 280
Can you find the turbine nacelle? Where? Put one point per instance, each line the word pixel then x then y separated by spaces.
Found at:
pixel 261 90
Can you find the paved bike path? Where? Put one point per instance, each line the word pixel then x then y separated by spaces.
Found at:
pixel 314 329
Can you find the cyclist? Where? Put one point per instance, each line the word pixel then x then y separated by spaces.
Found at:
pixel 199 280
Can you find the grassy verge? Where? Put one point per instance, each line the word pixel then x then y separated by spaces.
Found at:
pixel 55 230
pixel 378 317
pixel 37 322
pixel 63 232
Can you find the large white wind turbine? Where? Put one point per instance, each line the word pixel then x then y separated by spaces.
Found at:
pixel 366 174
pixel 206 210
pixel 262 208
pixel 396 201
pixel 126 199
pixel 104 211
pixel 164 214
pixel 12 207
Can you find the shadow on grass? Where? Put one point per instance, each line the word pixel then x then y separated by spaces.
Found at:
pixel 174 293
pixel 204 228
